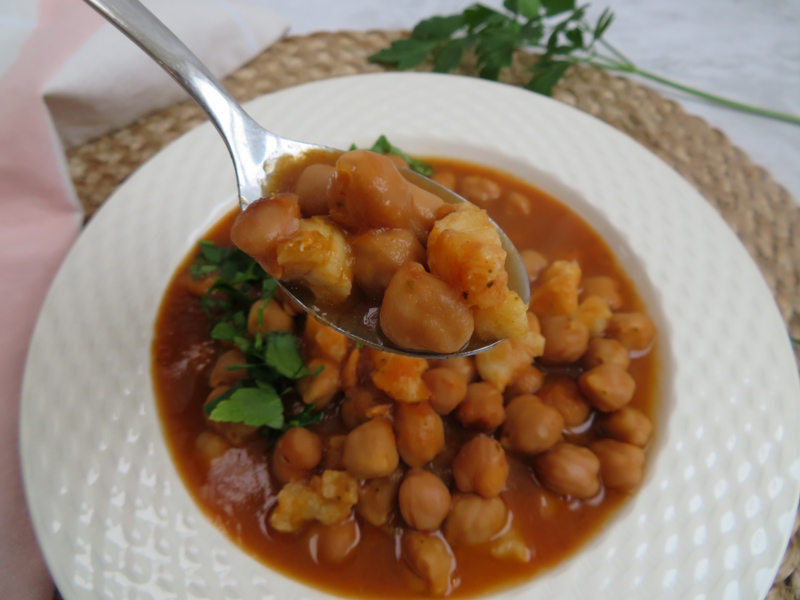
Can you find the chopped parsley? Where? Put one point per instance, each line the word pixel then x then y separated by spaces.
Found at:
pixel 272 361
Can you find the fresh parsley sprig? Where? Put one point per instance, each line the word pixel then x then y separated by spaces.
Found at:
pixel 558 29
pixel 272 361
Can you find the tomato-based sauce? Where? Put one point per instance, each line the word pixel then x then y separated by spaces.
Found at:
pixel 237 490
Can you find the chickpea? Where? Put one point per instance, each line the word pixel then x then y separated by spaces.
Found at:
pixel 565 396
pixel 558 293
pixel 312 189
pixel 222 376
pixel 446 179
pixel 296 453
pixel 531 427
pixel 357 401
pixel 478 189
pixel 337 542
pixel 474 520
pixel 569 470
pixel 377 498
pixel 320 389
pixel 210 445
pixel 379 253
pixel 199 287
pixel 626 425
pixel 594 313
pixel 447 387
pixel 519 203
pixel 602 286
pixel 368 192
pixel 621 464
pixel 482 408
pixel 529 381
pixel 420 433
pixel 604 351
pixel 464 365
pixel 634 330
pixel 565 339
pixel 424 500
pixel 607 387
pixel 419 311
pixel 266 222
pixel 429 558
pixel 370 450
pixel 273 318
pixel 481 466
pixel 289 304
pixel 534 263
pixel 426 208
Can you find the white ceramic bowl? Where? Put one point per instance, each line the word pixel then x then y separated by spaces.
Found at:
pixel 715 511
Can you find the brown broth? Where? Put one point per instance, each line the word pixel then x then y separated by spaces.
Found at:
pixel 236 491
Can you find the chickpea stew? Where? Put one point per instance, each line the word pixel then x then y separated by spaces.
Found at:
pixel 425 478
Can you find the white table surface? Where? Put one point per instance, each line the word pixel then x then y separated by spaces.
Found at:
pixel 744 49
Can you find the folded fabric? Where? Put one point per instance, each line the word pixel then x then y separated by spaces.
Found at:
pixel 95 80
pixel 109 82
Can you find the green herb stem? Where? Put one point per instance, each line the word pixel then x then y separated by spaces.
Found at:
pixel 530 24
pixel 755 110
pixel 616 52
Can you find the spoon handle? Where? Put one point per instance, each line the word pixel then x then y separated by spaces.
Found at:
pixel 248 143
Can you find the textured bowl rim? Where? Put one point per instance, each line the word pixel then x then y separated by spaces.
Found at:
pixel 685 533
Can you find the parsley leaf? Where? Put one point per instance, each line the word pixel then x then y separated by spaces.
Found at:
pixel 449 55
pixel 224 332
pixel 556 7
pixel 210 406
pixel 405 54
pixel 438 28
pixel 526 8
pixel 283 355
pixel 545 75
pixel 253 406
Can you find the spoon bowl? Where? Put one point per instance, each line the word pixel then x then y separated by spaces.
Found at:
pixel 256 151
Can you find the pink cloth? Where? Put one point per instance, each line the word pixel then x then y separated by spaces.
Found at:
pixel 39 220
pixel 89 75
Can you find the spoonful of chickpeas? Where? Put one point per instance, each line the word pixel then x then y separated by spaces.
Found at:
pixel 379 252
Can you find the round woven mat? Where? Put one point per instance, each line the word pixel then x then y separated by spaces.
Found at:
pixel 759 210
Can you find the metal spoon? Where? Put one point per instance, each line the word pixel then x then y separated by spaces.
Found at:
pixel 255 151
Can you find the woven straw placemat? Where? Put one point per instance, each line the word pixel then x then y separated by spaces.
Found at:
pixel 759 210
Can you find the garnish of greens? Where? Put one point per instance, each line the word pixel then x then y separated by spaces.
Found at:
pixel 558 29
pixel 273 362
